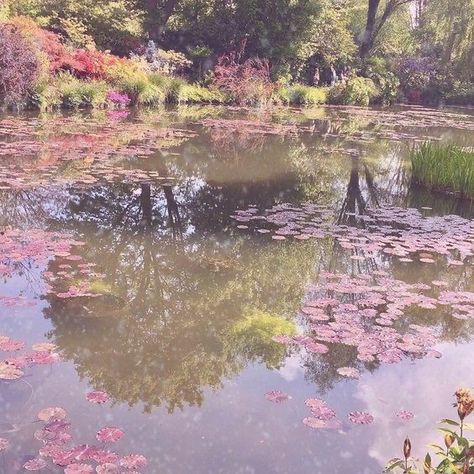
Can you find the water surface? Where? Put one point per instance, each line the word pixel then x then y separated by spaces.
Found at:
pixel 171 308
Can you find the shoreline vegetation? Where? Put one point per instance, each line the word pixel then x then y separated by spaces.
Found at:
pixel 444 168
pixel 115 54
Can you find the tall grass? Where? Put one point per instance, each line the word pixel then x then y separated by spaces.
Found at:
pixel 445 168
pixel 300 94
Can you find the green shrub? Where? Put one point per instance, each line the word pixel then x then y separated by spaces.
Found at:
pixel 69 92
pixel 356 91
pixel 445 168
pixel 46 96
pixel 461 94
pixel 385 80
pixel 136 83
pixel 299 94
pixel 194 93
pixel 75 93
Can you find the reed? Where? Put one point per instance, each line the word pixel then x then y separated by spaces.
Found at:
pixel 446 168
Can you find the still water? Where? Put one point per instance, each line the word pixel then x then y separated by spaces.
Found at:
pixel 120 246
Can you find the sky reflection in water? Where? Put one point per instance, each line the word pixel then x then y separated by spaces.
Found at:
pixel 180 334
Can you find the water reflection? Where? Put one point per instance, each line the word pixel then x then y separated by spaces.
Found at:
pixel 188 304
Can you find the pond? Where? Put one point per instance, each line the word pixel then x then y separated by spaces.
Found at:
pixel 235 291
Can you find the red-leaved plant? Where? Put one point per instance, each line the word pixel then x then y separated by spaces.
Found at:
pixel 18 65
pixel 247 82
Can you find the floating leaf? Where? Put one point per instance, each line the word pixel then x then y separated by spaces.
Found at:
pixel 98 397
pixel 35 464
pixel 52 414
pixel 9 371
pixel 350 372
pixel 4 444
pixel 405 415
pixel 109 434
pixel 360 417
pixel 276 396
pixel 133 461
pixel 78 469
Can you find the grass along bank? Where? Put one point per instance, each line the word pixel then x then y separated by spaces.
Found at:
pixel 446 168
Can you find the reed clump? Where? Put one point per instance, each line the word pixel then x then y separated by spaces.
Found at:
pixel 446 168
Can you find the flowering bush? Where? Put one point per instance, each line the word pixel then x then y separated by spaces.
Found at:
pixel 91 64
pixel 416 74
pixel 248 82
pixel 19 65
pixel 118 98
pixel 47 45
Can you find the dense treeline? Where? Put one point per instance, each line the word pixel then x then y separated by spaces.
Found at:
pixel 365 50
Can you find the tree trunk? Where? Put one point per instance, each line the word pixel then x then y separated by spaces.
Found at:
pixel 158 13
pixel 367 41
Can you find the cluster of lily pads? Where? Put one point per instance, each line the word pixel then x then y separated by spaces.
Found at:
pixel 367 311
pixel 56 449
pixel 393 231
pixel 84 153
pixel 323 416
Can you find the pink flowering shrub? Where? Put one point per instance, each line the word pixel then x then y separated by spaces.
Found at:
pixel 118 98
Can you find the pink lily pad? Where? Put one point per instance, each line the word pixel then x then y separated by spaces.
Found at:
pixel 98 397
pixel 276 396
pixel 109 434
pixel 360 417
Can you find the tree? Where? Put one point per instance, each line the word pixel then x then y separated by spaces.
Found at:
pixel 375 22
pixel 157 13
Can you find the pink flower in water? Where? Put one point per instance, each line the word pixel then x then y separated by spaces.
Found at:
pixel 4 444
pixel 98 397
pixel 35 464
pixel 133 461
pixel 109 434
pixel 360 417
pixel 276 396
pixel 350 372
pixel 78 469
pixel 405 415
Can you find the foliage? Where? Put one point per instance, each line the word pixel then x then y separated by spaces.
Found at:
pixel 356 91
pixel 462 93
pixel 458 454
pixel 19 66
pixel 113 24
pixel 385 80
pixel 444 167
pixel 48 48
pixel 416 73
pixel 194 93
pixel 446 35
pixel 299 94
pixel 247 83
pixel 164 62
pixel 91 64
pixel 129 78
pixel 251 337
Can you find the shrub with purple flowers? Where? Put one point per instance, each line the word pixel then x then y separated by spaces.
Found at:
pixel 118 98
